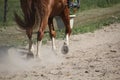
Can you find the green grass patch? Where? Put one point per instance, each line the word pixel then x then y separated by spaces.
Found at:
pixel 12 5
pixel 91 4
pixel 92 26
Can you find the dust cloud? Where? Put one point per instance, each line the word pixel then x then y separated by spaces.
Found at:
pixel 14 59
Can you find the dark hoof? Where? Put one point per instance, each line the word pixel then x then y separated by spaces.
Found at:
pixel 65 49
pixel 30 55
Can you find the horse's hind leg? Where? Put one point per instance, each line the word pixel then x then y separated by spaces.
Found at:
pixel 29 34
pixel 66 19
pixel 52 32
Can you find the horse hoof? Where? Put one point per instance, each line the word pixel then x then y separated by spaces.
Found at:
pixel 65 49
pixel 30 55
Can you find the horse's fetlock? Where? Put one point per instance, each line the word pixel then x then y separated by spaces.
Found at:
pixel 39 36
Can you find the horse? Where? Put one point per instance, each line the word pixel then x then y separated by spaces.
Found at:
pixel 40 13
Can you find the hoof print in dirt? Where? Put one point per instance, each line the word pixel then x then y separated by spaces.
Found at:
pixel 65 49
pixel 30 55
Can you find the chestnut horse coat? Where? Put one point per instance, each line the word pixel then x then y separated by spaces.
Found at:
pixel 39 13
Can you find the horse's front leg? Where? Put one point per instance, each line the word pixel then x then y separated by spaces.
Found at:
pixel 66 19
pixel 39 41
pixel 30 53
pixel 52 33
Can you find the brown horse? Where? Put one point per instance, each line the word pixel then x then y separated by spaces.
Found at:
pixel 40 13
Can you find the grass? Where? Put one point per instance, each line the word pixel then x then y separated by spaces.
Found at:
pixel 90 4
pixel 93 26
pixel 13 5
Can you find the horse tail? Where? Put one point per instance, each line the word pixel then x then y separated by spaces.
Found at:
pixel 28 19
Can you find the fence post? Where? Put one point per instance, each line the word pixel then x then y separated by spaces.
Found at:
pixel 5 11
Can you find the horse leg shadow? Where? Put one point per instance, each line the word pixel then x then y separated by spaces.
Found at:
pixel 30 55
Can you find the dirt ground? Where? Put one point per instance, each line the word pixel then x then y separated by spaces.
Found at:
pixel 92 56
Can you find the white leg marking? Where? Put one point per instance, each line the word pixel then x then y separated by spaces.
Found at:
pixel 67 40
pixel 39 43
pixel 53 43
pixel 30 45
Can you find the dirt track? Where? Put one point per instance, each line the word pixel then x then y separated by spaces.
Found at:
pixel 92 56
